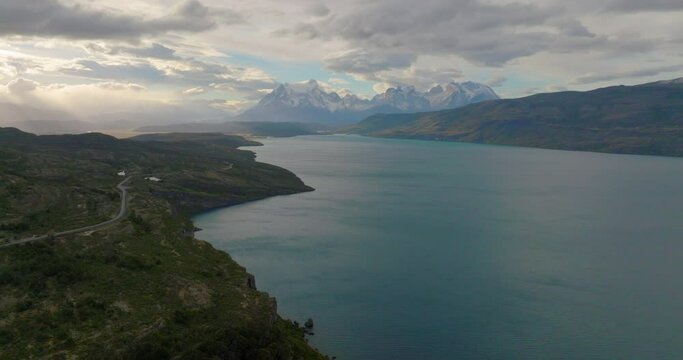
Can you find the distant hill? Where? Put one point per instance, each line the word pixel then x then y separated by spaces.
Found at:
pixel 232 141
pixel 312 102
pixel 643 119
pixel 251 128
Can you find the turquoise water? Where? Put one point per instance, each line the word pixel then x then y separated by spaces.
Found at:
pixel 429 250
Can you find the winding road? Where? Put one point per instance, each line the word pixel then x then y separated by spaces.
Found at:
pixel 123 211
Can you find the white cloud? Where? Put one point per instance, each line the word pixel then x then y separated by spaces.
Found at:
pixel 337 81
pixel 194 91
pixel 154 50
pixel 230 106
pixel 496 81
pixel 21 86
pixel 113 85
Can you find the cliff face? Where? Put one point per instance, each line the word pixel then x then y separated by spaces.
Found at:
pixel 145 287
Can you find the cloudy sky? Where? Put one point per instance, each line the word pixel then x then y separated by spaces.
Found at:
pixel 215 57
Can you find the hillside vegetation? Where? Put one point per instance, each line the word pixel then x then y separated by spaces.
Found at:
pixel 144 288
pixel 644 119
pixel 250 128
pixel 233 141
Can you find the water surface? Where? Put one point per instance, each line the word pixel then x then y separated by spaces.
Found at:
pixel 429 250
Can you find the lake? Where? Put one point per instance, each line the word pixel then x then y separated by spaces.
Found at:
pixel 432 250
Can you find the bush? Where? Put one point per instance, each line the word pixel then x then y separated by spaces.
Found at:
pixel 139 223
pixel 24 305
pixel 14 227
pixel 150 351
pixel 133 263
pixel 6 337
pixel 7 277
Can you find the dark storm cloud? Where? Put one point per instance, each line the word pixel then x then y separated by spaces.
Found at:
pixel 484 33
pixel 52 18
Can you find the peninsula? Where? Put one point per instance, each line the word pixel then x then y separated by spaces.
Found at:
pixel 137 285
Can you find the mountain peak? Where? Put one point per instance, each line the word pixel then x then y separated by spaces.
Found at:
pixel 313 101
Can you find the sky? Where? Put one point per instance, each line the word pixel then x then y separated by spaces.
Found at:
pixel 176 59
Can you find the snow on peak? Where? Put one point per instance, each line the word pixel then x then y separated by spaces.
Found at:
pixel 453 95
pixel 313 95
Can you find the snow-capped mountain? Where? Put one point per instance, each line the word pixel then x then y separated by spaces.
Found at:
pixel 304 95
pixel 311 102
pixel 454 95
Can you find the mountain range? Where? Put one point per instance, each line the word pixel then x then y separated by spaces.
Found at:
pixel 312 102
pixel 312 106
pixel 309 102
pixel 642 119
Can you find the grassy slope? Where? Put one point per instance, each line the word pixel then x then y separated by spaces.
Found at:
pixel 232 141
pixel 252 128
pixel 144 288
pixel 645 119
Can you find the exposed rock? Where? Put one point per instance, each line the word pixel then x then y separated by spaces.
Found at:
pixel 251 281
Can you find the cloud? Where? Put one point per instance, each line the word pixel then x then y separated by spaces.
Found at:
pixel 194 91
pixel 484 33
pixel 496 81
pixel 337 81
pixel 118 86
pixel 556 88
pixel 181 72
pixel 21 86
pixel 318 10
pixel 419 77
pixel 52 18
pixel 93 69
pixel 169 47
pixel 361 62
pixel 13 66
pixel 636 73
pixel 219 76
pixel 155 50
pixel 645 5
pixel 230 106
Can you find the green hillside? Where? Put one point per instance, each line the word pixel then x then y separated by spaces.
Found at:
pixel 232 141
pixel 250 128
pixel 144 288
pixel 644 119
